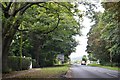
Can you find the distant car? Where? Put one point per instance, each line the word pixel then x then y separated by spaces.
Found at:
pixel 83 63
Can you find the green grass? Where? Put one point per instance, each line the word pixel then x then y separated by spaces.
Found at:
pixel 108 67
pixel 97 65
pixel 49 72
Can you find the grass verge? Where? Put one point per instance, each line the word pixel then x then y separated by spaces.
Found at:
pixel 48 72
pixel 107 67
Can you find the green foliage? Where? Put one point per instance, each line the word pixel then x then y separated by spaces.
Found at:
pixel 84 58
pixel 47 29
pixel 91 57
pixel 15 46
pixel 14 63
pixel 45 39
pixel 104 38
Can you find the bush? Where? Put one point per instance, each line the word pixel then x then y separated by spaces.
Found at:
pixel 26 62
pixel 14 63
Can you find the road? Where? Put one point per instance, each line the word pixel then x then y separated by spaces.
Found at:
pixel 94 73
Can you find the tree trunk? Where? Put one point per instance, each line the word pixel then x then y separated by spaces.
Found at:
pixel 111 59
pixel 10 28
pixel 6 41
pixel 5 48
pixel 37 52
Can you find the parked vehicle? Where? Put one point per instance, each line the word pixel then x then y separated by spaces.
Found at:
pixel 83 63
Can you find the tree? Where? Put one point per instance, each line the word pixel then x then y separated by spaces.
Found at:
pixel 15 14
pixel 84 58
pixel 11 20
pixel 103 38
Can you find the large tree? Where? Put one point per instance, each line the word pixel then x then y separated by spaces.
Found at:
pixel 11 20
pixel 61 40
pixel 14 13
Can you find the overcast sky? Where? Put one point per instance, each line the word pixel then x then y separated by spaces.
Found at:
pixel 80 49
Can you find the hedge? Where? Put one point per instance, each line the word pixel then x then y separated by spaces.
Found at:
pixel 14 63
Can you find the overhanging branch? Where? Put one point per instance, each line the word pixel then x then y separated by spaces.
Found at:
pixel 25 8
pixel 1 6
pixel 22 7
pixel 8 7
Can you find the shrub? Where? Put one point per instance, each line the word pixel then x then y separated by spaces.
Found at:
pixel 14 63
pixel 26 63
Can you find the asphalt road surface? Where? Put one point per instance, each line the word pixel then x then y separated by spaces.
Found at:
pixel 93 73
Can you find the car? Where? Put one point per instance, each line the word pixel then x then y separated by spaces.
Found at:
pixel 83 63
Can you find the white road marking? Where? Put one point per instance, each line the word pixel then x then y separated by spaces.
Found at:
pixel 112 75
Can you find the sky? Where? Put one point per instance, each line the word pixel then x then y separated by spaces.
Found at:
pixel 80 49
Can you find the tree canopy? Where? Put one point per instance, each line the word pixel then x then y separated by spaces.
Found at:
pixel 39 29
pixel 104 38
